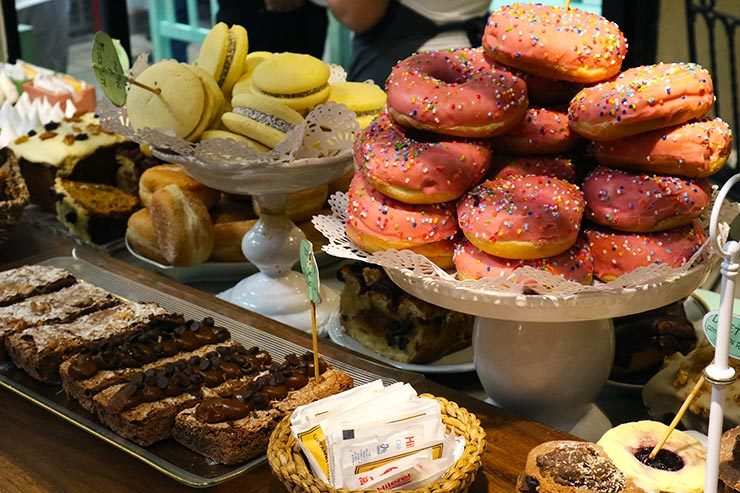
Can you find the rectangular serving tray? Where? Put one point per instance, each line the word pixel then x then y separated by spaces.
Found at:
pixel 168 456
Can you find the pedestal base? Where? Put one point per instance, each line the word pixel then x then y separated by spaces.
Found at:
pixel 282 298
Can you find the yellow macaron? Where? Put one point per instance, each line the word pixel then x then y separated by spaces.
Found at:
pixel 214 100
pixel 260 118
pixel 223 54
pixel 224 135
pixel 244 83
pixel 179 105
pixel 297 81
pixel 365 99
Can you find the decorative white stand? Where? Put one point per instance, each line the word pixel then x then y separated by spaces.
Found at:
pixel 276 291
pixel 719 373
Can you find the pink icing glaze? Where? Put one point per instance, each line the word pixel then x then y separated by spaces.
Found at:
pixel 535 209
pixel 638 202
pixel 555 42
pixel 695 145
pixel 552 166
pixel 616 254
pixel 454 88
pixel 393 155
pixel 542 131
pixel 576 264
pixel 644 93
pixel 376 215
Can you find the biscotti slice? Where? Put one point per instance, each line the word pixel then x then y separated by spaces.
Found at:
pixel 40 350
pixel 31 280
pixel 144 409
pixel 58 307
pixel 565 466
pixel 234 426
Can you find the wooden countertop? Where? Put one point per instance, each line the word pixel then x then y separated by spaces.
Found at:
pixel 41 453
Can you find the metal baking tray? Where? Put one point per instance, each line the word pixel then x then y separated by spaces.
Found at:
pixel 168 456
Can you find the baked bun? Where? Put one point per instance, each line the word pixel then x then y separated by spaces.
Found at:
pixel 172 174
pixel 184 229
pixel 228 240
pixel 142 237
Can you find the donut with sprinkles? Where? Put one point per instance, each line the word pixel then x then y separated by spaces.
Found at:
pixel 616 254
pixel 544 91
pixel 541 131
pixel 455 92
pixel 642 203
pixel 696 149
pixel 376 222
pixel 554 42
pixel 576 264
pixel 522 217
pixel 416 167
pixel 553 166
pixel 642 99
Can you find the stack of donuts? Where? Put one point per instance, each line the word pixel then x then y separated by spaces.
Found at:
pixel 473 163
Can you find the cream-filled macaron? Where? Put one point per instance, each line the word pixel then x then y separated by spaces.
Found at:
pixel 214 100
pixel 223 54
pixel 297 81
pixel 260 118
pixel 365 99
pixel 225 135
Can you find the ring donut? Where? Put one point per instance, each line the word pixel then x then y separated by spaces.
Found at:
pixel 522 217
pixel 544 91
pixel 642 99
pixel 541 131
pixel 576 264
pixel 553 166
pixel 376 222
pixel 455 92
pixel 697 149
pixel 616 253
pixel 641 203
pixel 565 44
pixel 413 168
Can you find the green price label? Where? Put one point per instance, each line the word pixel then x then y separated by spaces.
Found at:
pixel 108 69
pixel 122 55
pixel 310 271
pixel 711 324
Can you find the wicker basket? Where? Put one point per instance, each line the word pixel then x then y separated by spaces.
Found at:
pixel 288 464
pixel 16 192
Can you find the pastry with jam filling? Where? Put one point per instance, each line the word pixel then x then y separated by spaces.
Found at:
pixel 234 426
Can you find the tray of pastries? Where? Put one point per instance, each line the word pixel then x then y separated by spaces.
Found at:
pixel 186 390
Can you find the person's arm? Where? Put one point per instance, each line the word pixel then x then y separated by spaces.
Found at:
pixel 358 15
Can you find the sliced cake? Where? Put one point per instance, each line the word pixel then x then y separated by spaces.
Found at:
pixel 31 280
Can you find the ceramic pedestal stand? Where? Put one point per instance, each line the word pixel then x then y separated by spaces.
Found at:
pixel 276 291
pixel 547 357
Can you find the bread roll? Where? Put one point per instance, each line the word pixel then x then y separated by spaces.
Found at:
pixel 142 237
pixel 184 229
pixel 171 174
pixel 228 240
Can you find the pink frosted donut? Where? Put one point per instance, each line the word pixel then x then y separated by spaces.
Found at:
pixel 522 217
pixel 642 99
pixel 455 92
pixel 418 168
pixel 617 253
pixel 576 264
pixel 641 203
pixel 541 131
pixel 376 222
pixel 697 149
pixel 552 166
pixel 544 91
pixel 566 44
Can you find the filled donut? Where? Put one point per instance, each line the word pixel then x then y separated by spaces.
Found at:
pixel 554 42
pixel 455 92
pixel 553 166
pixel 696 149
pixel 642 99
pixel 636 202
pixel 541 131
pixel 576 264
pixel 415 167
pixel 376 222
pixel 522 217
pixel 616 253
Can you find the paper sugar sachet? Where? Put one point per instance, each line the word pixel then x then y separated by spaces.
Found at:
pixel 375 437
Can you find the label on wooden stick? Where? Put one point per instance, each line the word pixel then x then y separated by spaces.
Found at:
pixel 711 325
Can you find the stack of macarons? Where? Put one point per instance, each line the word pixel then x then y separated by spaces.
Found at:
pixel 515 114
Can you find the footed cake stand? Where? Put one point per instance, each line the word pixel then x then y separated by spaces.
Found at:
pixel 548 357
pixel 272 244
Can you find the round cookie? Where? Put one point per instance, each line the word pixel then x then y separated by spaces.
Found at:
pixel 223 54
pixel 297 81
pixel 365 99
pixel 260 118
pixel 225 135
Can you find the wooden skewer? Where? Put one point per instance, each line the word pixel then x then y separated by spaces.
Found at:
pixel 567 4
pixel 315 337
pixel 679 415
pixel 131 80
